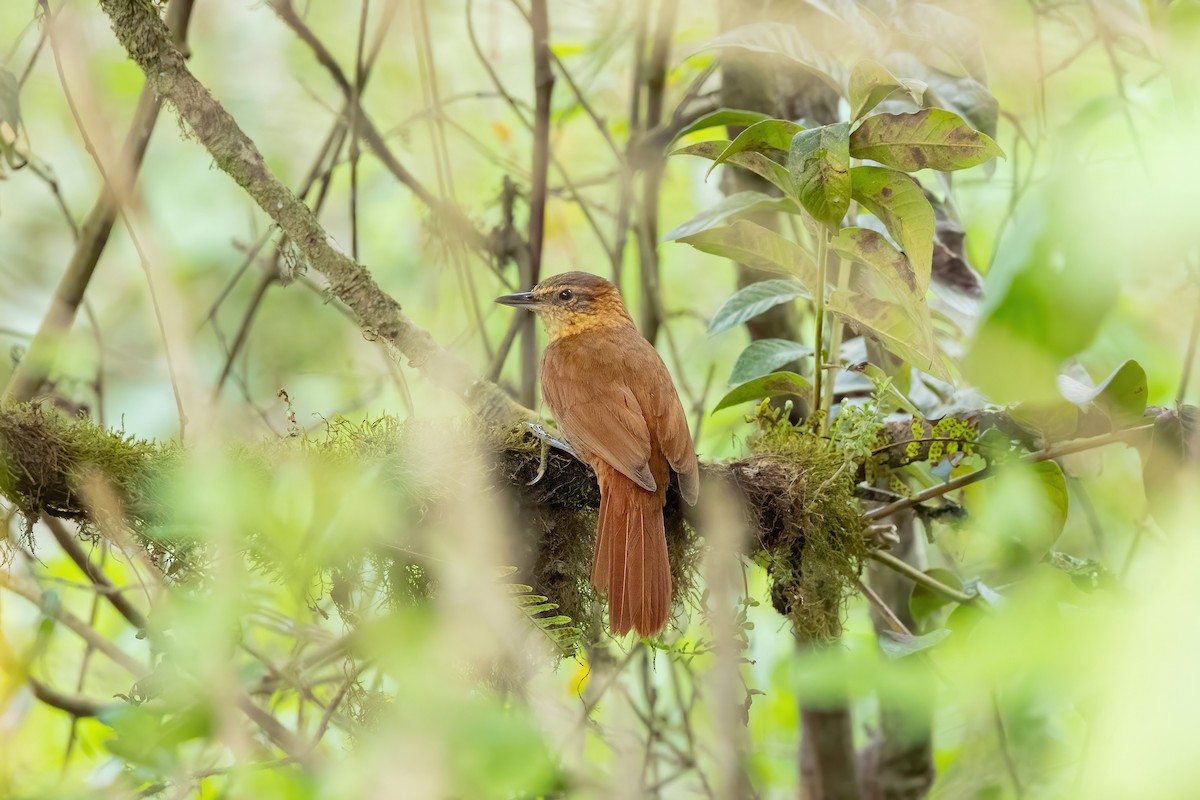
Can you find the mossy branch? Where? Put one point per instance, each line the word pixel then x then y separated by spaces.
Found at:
pixel 146 38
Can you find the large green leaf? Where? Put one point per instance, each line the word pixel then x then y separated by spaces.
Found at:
pixel 781 39
pixel 753 300
pixel 773 385
pixel 902 207
pixel 924 602
pixel 819 163
pixel 764 356
pixel 730 206
pixel 932 138
pixel 758 248
pixel 871 83
pixel 760 165
pixel 1122 395
pixel 871 248
pixel 722 116
pixel 761 137
pixel 907 336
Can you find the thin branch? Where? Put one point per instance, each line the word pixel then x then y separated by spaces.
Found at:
pixel 70 545
pixel 917 576
pixel 543 86
pixel 1050 453
pixel 33 369
pixel 147 40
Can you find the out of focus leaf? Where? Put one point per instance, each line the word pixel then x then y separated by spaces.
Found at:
pixel 1047 299
pixel 774 385
pixel 774 173
pixel 761 137
pixel 730 206
pixel 757 247
pixel 932 138
pixel 763 356
pixel 907 336
pixel 781 39
pixel 722 116
pixel 951 33
pixel 923 603
pixel 871 83
pixel 1122 395
pixel 753 300
pixel 819 163
pixel 900 205
pixel 898 645
pixel 152 737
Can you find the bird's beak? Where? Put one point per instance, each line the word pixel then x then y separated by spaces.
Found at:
pixel 518 300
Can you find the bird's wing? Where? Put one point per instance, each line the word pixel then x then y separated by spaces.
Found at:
pixel 671 425
pixel 597 412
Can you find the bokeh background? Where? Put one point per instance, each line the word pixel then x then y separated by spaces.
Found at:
pixel 1085 235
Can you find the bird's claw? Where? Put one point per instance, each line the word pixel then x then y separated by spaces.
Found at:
pixel 547 441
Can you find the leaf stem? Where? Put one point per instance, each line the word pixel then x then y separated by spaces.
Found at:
pixel 819 370
pixel 917 576
pixel 835 346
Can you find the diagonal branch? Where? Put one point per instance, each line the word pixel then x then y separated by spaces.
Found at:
pixel 148 42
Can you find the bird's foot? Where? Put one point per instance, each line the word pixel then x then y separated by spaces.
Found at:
pixel 547 441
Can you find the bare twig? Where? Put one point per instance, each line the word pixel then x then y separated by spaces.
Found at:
pixel 146 39
pixel 30 373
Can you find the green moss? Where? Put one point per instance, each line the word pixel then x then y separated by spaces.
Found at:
pixel 802 502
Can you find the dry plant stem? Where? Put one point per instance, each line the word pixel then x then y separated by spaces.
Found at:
pixel 885 610
pixel 1050 453
pixel 32 370
pixel 146 39
pixel 917 576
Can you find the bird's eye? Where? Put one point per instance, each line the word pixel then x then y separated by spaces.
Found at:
pixel 565 294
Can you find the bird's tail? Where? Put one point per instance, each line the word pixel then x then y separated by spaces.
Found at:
pixel 631 555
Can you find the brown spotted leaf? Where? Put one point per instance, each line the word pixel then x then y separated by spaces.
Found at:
pixel 932 138
pixel 907 334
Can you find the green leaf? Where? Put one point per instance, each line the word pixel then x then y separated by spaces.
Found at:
pixel 898 645
pixel 902 207
pixel 924 602
pixel 871 83
pixel 722 116
pixel 758 248
pixel 781 39
pixel 774 173
pixel 872 249
pixel 761 137
pixel 932 138
pixel 732 205
pixel 819 163
pixel 773 385
pixel 1122 395
pixel 753 300
pixel 764 356
pixel 908 337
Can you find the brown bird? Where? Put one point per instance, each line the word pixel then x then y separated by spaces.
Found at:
pixel 616 406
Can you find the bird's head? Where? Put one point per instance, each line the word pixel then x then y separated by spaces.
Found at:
pixel 571 303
